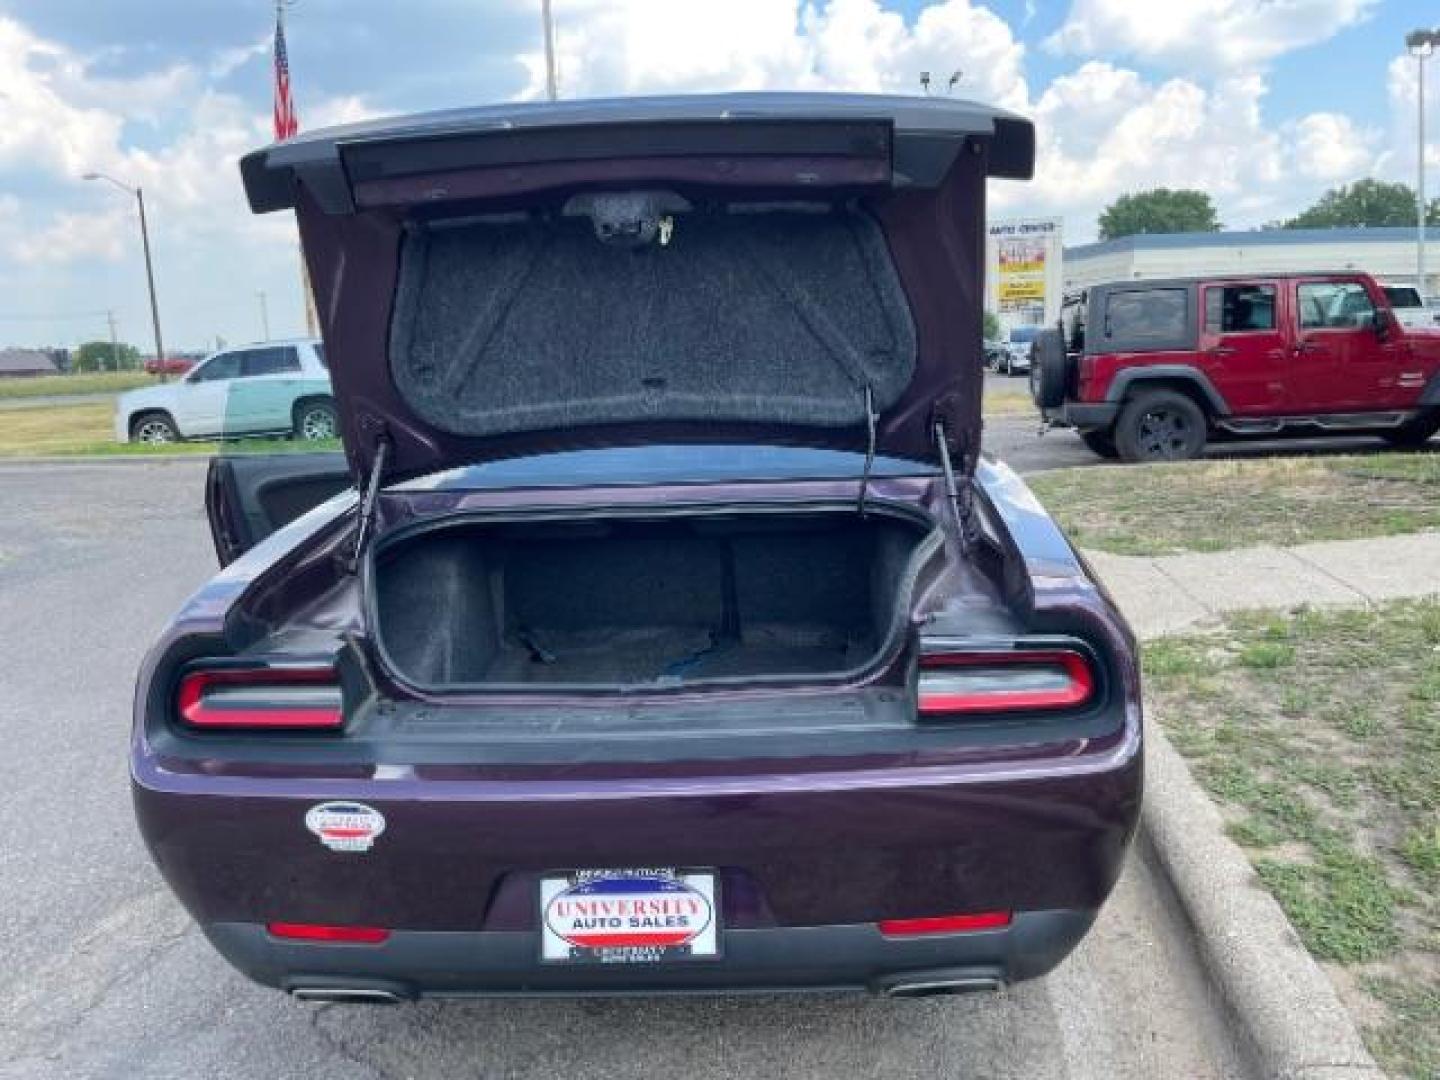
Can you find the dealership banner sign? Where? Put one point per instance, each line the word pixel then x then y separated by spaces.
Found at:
pixel 1023 252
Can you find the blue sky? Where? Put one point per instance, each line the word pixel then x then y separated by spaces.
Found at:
pixel 1263 103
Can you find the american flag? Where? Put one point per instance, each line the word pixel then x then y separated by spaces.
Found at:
pixel 287 122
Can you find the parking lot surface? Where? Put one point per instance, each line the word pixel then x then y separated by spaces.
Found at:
pixel 106 977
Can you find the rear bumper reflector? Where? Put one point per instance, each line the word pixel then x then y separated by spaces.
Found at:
pixel 355 935
pixel 945 924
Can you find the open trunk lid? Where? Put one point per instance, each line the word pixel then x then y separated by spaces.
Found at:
pixel 779 269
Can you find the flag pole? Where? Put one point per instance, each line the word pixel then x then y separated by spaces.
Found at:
pixel 547 19
pixel 287 124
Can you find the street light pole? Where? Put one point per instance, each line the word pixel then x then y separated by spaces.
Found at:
pixel 1421 44
pixel 149 266
pixel 150 282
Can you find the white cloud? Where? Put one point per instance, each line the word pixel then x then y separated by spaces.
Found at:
pixel 659 46
pixel 1103 131
pixel 1203 34
pixel 72 236
pixel 1329 146
pixel 1402 82
pixel 40 125
pixel 341 110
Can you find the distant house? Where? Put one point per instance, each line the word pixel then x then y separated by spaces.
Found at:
pixel 19 363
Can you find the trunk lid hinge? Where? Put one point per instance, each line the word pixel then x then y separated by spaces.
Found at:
pixel 369 497
pixel 962 499
pixel 870 421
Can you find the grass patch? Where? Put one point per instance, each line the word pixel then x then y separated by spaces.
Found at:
pixel 1341 904
pixel 1408 1044
pixel 1266 655
pixel 72 430
pixel 1216 505
pixel 1318 734
pixel 107 382
pixel 1009 403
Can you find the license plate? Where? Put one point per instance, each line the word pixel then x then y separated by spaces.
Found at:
pixel 642 916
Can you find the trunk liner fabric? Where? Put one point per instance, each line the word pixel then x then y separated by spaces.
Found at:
pixel 516 323
pixel 640 603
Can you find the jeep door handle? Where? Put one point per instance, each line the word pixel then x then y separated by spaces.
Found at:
pixel 1306 347
pixel 1221 350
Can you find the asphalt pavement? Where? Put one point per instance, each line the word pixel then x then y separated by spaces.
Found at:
pixel 106 976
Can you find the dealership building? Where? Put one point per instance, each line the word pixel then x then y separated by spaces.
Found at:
pixel 1388 254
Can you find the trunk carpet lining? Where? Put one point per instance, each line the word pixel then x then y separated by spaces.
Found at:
pixel 640 603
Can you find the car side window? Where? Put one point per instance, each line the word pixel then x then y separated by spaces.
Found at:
pixel 218 367
pixel 1334 305
pixel 1239 309
pixel 279 360
pixel 1146 314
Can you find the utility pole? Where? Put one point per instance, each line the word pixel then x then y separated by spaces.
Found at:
pixel 264 315
pixel 552 90
pixel 114 342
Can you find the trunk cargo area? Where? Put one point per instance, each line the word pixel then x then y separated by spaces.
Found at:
pixel 644 602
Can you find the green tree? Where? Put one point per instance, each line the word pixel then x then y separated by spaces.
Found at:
pixel 1163 210
pixel 1368 203
pixel 990 325
pixel 102 356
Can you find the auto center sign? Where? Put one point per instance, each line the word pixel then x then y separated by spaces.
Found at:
pixel 1023 270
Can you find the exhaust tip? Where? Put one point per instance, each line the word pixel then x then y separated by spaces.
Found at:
pixel 345 995
pixel 940 985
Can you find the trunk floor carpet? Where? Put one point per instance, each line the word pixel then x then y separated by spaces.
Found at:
pixel 665 655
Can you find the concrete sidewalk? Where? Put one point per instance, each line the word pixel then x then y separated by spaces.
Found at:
pixel 1169 594
pixel 1292 1019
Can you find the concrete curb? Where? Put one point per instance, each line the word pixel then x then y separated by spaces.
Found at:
pixel 1296 1024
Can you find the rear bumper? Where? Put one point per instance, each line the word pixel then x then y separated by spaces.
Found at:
pixel 806 866
pixel 414 964
pixel 1084 414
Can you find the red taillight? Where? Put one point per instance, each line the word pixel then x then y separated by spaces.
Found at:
pixel 960 683
pixel 945 924
pixel 357 935
pixel 264 697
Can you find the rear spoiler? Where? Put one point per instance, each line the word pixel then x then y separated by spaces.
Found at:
pixel 756 140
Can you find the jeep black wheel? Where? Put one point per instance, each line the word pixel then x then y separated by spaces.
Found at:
pixel 1414 432
pixel 1160 426
pixel 1101 442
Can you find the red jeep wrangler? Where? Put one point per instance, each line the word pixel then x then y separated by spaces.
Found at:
pixel 1151 370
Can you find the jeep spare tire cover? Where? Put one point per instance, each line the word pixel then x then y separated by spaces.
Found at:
pixel 1048 370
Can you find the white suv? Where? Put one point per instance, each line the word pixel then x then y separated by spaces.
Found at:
pixel 1408 306
pixel 270 388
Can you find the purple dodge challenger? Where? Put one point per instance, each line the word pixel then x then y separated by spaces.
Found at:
pixel 661 628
